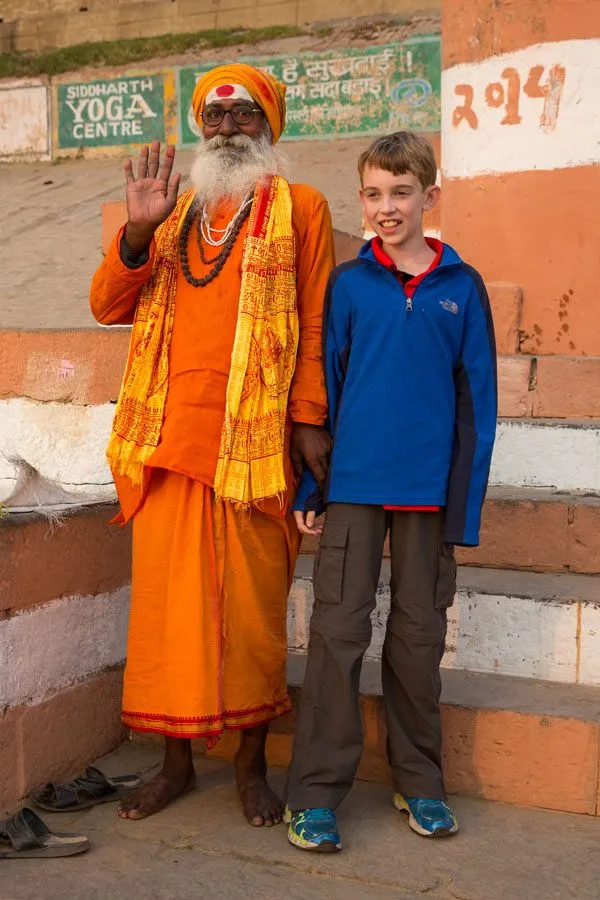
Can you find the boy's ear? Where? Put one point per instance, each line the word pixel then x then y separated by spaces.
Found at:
pixel 432 197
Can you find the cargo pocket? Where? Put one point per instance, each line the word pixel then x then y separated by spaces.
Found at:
pixel 328 576
pixel 445 588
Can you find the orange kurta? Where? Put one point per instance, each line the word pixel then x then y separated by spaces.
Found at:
pixel 207 637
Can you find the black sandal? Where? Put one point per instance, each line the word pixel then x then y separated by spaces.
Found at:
pixel 87 790
pixel 29 836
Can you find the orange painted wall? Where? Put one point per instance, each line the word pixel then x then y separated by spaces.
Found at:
pixel 531 219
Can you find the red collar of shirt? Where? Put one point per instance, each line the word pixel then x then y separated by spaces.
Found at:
pixel 385 260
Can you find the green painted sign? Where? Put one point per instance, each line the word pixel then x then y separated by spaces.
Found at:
pixel 344 93
pixel 127 110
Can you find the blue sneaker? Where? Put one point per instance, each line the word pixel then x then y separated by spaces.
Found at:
pixel 313 829
pixel 431 818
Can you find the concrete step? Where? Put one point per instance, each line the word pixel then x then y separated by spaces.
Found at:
pixel 515 740
pixel 526 624
pixel 539 529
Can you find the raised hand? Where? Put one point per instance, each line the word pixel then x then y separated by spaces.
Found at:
pixel 152 196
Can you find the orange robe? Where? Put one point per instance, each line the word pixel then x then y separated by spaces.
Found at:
pixel 207 639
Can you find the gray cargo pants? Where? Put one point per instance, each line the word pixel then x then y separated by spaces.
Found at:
pixel 328 738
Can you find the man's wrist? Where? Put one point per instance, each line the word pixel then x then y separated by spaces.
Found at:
pixel 138 238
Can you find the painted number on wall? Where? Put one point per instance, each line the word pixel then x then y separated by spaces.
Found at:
pixel 506 95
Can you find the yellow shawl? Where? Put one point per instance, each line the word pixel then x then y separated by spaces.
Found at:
pixel 250 464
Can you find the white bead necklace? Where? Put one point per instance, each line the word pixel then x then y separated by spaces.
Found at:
pixel 208 231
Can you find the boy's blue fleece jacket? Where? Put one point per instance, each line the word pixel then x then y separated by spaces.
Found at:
pixel 412 392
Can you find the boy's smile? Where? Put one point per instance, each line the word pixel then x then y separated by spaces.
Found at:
pixel 394 206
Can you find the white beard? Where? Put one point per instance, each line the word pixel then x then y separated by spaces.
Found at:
pixel 230 168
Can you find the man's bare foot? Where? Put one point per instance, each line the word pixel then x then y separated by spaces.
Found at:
pixel 261 805
pixel 176 777
pixel 155 795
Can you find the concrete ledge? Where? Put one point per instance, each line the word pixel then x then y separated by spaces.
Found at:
pixel 556 588
pixel 81 556
pixel 54 739
pixel 563 588
pixel 507 739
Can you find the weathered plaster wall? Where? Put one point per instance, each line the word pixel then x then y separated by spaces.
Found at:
pixel 24 120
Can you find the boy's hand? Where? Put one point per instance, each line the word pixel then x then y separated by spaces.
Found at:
pixel 307 523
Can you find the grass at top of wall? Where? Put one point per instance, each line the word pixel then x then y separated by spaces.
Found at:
pixel 125 52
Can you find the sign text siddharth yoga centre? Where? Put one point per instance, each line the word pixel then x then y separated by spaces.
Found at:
pixel 128 110
pixel 346 92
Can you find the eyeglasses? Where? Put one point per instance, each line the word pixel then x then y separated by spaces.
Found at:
pixel 241 115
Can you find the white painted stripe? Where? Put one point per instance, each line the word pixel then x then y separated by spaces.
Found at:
pixel 563 456
pixel 50 647
pixel 531 638
pixel 513 636
pixel 64 442
pixel 536 108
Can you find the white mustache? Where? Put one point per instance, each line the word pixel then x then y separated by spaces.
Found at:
pixel 220 141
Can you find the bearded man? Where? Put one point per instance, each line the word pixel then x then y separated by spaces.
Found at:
pixel 223 398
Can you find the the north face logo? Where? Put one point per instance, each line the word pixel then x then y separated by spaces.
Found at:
pixel 450 305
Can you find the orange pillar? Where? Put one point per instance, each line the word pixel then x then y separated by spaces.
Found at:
pixel 520 154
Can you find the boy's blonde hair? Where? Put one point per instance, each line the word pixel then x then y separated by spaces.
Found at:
pixel 399 153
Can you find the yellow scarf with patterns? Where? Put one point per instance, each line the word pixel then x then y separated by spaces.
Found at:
pixel 250 464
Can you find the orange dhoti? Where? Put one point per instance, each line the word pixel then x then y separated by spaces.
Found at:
pixel 207 633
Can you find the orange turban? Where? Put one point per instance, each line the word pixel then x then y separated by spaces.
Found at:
pixel 268 93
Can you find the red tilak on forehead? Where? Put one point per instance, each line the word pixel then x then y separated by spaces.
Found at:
pixel 225 90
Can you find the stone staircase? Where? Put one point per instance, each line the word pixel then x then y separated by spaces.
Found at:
pixel 521 674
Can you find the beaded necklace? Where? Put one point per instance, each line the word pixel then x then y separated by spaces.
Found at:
pixel 220 260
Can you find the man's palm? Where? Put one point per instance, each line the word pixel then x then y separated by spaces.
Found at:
pixel 152 196
pixel 149 201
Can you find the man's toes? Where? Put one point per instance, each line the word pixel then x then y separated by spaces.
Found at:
pixel 130 809
pixel 257 821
